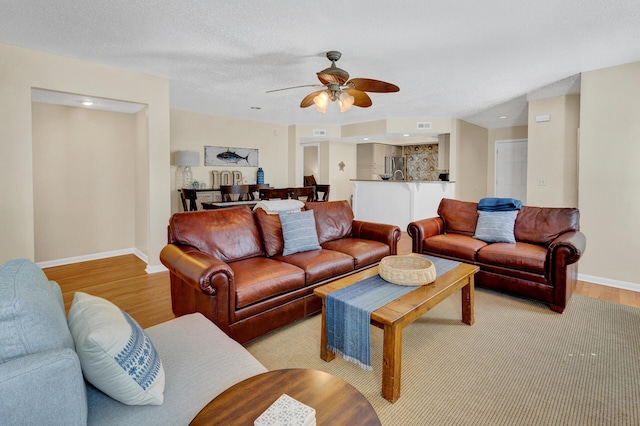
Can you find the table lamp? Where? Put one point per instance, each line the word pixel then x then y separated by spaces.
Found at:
pixel 185 159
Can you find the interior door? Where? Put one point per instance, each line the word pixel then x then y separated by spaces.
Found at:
pixel 511 169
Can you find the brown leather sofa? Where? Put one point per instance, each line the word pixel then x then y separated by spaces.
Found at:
pixel 542 265
pixel 228 264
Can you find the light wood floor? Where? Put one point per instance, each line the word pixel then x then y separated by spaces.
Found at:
pixel 147 297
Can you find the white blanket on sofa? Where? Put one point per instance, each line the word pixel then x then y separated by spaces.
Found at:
pixel 278 206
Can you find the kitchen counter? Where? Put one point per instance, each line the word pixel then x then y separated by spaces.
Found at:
pixel 398 202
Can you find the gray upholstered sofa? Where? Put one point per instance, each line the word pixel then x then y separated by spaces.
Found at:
pixel 41 381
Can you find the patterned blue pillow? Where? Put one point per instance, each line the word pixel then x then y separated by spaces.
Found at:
pixel 496 227
pixel 299 232
pixel 116 355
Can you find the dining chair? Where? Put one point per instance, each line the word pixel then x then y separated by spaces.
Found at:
pixel 275 193
pixel 191 196
pixel 235 193
pixel 309 180
pixel 254 190
pixel 325 192
pixel 308 192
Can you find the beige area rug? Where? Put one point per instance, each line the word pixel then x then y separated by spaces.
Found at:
pixel 519 364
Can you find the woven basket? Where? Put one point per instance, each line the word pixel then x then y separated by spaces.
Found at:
pixel 407 270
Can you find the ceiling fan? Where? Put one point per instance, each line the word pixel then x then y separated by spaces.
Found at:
pixel 338 87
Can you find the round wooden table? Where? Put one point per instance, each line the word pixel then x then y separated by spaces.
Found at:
pixel 336 402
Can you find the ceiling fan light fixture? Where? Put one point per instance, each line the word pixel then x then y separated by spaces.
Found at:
pixel 345 101
pixel 321 101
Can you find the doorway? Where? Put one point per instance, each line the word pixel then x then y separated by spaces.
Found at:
pixel 311 161
pixel 511 169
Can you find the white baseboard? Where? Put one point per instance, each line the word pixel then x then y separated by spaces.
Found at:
pixel 84 258
pixel 609 282
pixel 87 257
pixel 155 269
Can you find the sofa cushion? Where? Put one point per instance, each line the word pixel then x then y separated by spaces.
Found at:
pixel 271 231
pixel 334 219
pixel 299 232
pixel 32 316
pixel 260 278
pixel 116 355
pixel 320 265
pixel 200 362
pixel 541 225
pixel 227 234
pixel 496 226
pixel 455 245
pixel 520 256
pixel 364 252
pixel 460 217
pixel 46 388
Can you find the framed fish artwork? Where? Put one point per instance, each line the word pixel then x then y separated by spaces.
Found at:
pixel 225 156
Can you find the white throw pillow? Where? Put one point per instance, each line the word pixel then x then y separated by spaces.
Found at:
pixel 115 353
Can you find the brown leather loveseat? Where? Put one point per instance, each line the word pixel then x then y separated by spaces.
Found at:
pixel 541 265
pixel 228 264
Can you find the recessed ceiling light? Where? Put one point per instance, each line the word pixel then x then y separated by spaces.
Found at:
pixel 406 134
pixel 87 102
pixel 502 117
pixel 366 139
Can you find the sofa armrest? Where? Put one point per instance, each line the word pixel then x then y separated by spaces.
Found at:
pixel 424 228
pixel 43 388
pixel 384 233
pixel 567 248
pixel 210 276
pixel 195 267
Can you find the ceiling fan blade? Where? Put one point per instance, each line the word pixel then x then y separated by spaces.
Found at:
pixel 295 87
pixel 370 85
pixel 308 100
pixel 360 98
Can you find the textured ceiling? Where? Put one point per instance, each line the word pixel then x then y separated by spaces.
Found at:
pixel 469 59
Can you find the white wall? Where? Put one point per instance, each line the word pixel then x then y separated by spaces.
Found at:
pixel 552 152
pixel 84 176
pixel 24 69
pixel 193 131
pixel 340 180
pixel 469 160
pixel 609 175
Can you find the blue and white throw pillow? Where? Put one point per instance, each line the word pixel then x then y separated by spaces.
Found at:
pixel 496 226
pixel 299 232
pixel 115 353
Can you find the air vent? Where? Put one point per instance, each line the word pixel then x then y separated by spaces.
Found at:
pixel 317 132
pixel 425 125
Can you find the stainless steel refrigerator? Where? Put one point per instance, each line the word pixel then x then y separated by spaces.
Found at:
pixel 395 166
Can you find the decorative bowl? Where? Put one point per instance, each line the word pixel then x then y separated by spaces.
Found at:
pixel 385 176
pixel 407 270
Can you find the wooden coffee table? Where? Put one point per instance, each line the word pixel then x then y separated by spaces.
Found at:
pixel 336 402
pixel 396 315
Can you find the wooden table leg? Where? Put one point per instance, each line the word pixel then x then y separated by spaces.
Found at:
pixel 391 362
pixel 325 354
pixel 468 292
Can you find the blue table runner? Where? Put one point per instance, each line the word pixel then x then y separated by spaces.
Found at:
pixel 348 312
